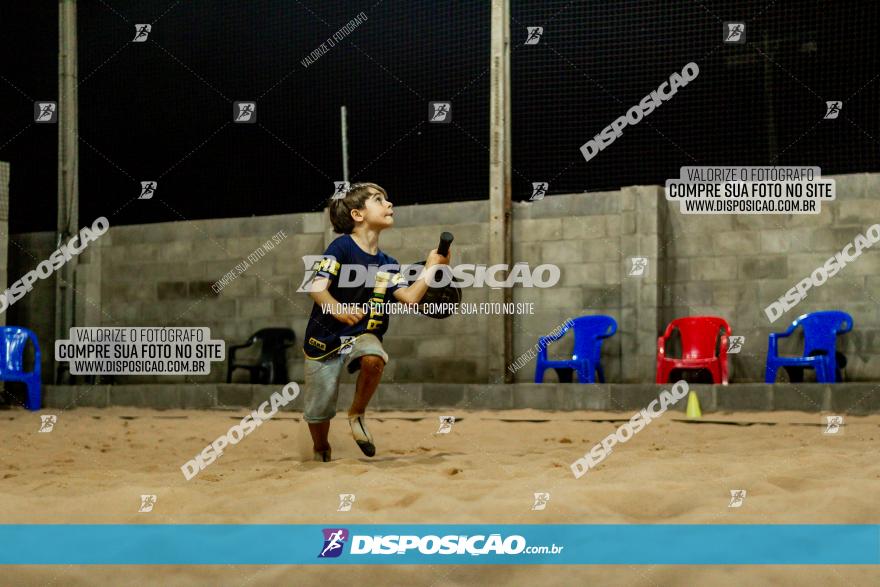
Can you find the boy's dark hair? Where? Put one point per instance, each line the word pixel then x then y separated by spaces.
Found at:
pixel 354 198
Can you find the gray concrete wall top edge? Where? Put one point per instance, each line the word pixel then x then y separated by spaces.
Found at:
pixel 520 208
pixel 849 398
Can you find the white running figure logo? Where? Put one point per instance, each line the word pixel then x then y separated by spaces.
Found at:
pixel 147 503
pixel 48 422
pixel 541 500
pixel 346 500
pixel 335 542
pixel 737 497
pixel 834 424
pixel 446 423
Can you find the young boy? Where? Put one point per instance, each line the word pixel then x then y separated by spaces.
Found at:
pixel 360 216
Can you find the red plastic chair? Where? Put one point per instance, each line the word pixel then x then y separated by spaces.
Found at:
pixel 699 339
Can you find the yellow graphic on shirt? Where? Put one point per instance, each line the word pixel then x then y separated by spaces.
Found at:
pixel 317 343
pixel 327 264
pixel 377 314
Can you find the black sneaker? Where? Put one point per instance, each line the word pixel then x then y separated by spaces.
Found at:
pixel 361 435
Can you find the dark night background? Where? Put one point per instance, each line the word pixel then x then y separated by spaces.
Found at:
pixel 162 110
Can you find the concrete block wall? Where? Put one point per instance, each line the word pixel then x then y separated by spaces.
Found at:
pixel 4 229
pixel 593 238
pixel 37 309
pixel 454 349
pixel 582 235
pixel 161 274
pixel 734 266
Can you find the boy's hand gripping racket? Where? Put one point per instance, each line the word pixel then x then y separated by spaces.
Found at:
pixel 448 294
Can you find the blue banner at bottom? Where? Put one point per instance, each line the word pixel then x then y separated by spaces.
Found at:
pixel 562 544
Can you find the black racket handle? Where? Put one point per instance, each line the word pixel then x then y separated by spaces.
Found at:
pixel 445 241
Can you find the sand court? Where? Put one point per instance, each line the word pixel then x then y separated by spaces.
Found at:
pixel 95 464
pixel 490 463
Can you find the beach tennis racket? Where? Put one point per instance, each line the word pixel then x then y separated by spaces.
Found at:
pixel 448 294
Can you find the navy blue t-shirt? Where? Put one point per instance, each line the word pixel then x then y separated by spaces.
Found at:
pixel 324 332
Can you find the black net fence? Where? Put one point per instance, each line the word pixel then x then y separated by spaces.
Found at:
pixel 162 109
pixel 760 101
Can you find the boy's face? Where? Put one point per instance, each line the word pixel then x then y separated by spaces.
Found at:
pixel 377 212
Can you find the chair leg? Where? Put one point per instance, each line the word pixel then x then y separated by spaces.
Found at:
pixel 585 373
pixel 34 402
pixel 717 371
pixel 823 373
pixel 270 376
pixel 770 372
pixel 539 373
pixel 831 369
pixel 663 370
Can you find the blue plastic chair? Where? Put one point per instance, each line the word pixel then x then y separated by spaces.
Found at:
pixel 589 332
pixel 820 345
pixel 13 340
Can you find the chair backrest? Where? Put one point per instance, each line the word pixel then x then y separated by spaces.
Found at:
pixel 588 334
pixel 821 330
pixel 273 338
pixel 13 341
pixel 699 335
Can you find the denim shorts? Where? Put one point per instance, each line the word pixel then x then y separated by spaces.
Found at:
pixel 322 377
